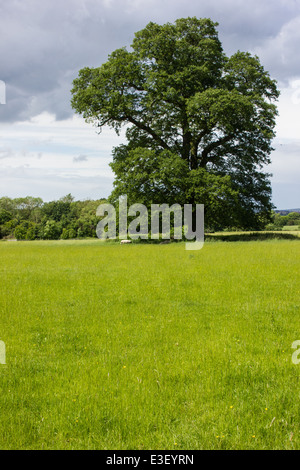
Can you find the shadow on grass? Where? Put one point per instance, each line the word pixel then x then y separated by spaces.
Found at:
pixel 223 237
pixel 253 236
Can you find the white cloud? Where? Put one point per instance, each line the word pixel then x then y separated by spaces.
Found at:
pixel 287 126
pixel 37 156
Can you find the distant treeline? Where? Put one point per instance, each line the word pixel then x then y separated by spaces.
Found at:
pixel 30 218
pixel 286 211
pixel 292 219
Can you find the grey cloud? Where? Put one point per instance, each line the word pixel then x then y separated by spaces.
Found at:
pixel 80 158
pixel 44 44
pixel 281 52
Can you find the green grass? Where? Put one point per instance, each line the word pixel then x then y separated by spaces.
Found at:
pixel 291 228
pixel 149 346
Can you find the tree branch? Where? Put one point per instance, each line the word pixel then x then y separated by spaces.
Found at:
pixel 205 152
pixel 150 131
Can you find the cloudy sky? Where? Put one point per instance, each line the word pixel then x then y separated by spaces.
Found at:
pixel 47 151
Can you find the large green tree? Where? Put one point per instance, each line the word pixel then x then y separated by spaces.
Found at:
pixel 199 124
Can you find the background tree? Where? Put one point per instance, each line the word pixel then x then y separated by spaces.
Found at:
pixel 31 218
pixel 183 97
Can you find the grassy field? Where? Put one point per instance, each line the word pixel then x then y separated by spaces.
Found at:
pixel 149 346
pixel 291 228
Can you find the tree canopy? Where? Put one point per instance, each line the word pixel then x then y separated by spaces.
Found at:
pixel 29 218
pixel 199 124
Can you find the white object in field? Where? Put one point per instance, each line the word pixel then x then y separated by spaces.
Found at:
pixel 125 241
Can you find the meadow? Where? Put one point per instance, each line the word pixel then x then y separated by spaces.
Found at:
pixel 149 346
